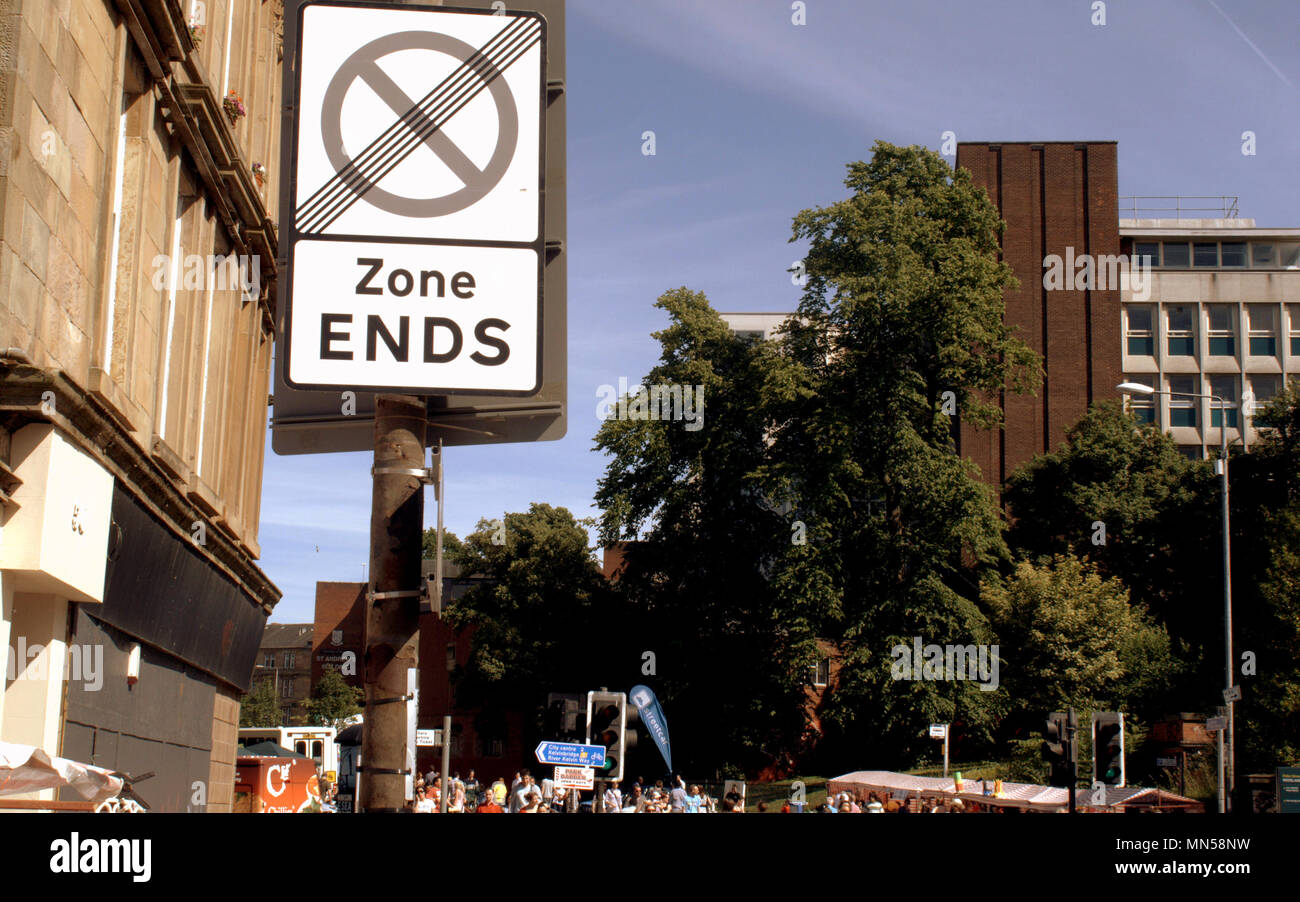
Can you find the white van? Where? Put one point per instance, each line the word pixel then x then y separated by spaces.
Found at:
pixel 316 743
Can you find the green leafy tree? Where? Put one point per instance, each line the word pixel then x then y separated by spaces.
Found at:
pixel 260 707
pixel 333 700
pixel 540 614
pixel 452 546
pixel 731 625
pixel 1121 495
pixel 1266 588
pixel 823 499
pixel 902 319
pixel 1070 637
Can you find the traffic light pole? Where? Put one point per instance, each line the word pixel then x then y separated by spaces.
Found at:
pixel 1072 761
pixel 1222 797
pixel 1225 804
pixel 392 597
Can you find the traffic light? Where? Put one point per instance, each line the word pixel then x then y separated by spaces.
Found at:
pixel 1058 750
pixel 561 720
pixel 1108 748
pixel 631 720
pixel 606 721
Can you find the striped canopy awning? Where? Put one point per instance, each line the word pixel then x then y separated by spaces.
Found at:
pixel 1027 796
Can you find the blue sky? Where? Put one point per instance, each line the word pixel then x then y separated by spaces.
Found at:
pixel 754 120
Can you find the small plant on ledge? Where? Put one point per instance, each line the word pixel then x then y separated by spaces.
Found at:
pixel 234 107
pixel 259 173
pixel 196 34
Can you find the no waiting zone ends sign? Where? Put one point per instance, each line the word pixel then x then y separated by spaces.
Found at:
pixel 415 216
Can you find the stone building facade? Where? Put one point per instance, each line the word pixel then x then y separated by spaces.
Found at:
pixel 137 269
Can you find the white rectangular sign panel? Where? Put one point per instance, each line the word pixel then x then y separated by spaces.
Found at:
pixel 415 242
pixel 575 777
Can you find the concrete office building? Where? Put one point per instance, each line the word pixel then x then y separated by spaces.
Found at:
pixel 1221 317
pixel 134 370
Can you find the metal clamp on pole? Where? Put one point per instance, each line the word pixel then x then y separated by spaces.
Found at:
pixel 385 701
pixel 400 593
pixel 424 474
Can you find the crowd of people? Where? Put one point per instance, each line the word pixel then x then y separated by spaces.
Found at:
pixel 845 802
pixel 525 795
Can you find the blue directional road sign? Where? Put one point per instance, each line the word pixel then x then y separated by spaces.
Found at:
pixel 571 753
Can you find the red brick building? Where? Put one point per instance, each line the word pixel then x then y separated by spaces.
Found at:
pixel 339 629
pixel 1057 197
pixel 489 742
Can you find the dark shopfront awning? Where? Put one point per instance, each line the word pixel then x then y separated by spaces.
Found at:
pixel 158 589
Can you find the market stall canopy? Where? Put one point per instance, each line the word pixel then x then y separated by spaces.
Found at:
pixel 26 768
pixel 1028 796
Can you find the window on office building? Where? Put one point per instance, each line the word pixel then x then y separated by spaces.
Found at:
pixel 1263 256
pixel 1224 387
pixel 1177 254
pixel 1293 318
pixel 1181 338
pixel 1141 337
pixel 1233 253
pixel 1222 339
pixel 1288 256
pixel 1263 330
pixel 1182 410
pixel 1143 407
pixel 1205 253
pixel 1191 452
pixel 1264 387
pixel 1147 253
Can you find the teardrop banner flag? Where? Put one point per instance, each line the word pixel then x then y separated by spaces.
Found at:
pixel 653 717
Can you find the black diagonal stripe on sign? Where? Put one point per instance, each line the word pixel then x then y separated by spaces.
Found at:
pixel 368 154
pixel 443 102
pixel 431 125
pixel 438 142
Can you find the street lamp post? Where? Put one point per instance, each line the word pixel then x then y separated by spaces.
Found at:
pixel 1221 466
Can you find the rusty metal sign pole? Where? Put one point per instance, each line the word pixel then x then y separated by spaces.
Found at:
pixel 393 599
